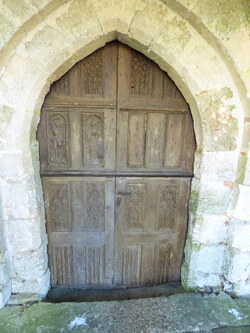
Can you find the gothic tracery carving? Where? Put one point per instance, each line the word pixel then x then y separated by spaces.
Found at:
pixel 92 71
pixel 167 206
pixel 59 207
pixel 95 207
pixel 170 89
pixel 135 206
pixel 140 74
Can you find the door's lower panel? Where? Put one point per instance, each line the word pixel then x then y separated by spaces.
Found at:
pixel 151 222
pixel 80 225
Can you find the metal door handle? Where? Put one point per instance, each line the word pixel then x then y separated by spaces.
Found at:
pixel 118 201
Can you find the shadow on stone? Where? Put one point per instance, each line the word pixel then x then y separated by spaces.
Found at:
pixel 58 295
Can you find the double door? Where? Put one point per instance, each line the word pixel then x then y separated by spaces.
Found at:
pixel 116 150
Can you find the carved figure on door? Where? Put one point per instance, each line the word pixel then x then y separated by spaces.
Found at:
pixel 57 140
pixel 93 141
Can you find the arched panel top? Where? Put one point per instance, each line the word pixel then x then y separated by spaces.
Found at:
pixel 93 80
pixel 121 114
pixel 90 81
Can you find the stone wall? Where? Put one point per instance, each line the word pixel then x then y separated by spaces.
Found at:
pixel 203 45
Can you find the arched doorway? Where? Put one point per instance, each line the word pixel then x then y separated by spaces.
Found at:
pixel 116 149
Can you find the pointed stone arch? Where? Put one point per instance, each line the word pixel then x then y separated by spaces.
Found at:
pixel 51 46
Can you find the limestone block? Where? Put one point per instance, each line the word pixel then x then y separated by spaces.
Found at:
pixel 21 200
pixel 228 23
pixel 128 8
pixel 219 112
pixel 38 286
pixel 17 129
pixel 242 209
pixel 25 235
pixel 240 236
pixel 145 22
pixel 18 166
pixel 6 114
pixel 69 23
pixel 214 197
pixel 175 34
pixel 19 73
pixel 18 11
pixel 197 280
pixel 210 229
pixel 242 289
pixel 30 265
pixel 24 298
pixel 6 30
pixel 219 166
pixel 106 12
pixel 207 259
pixel 4 270
pixel 239 273
pixel 246 180
pixel 5 293
pixel 45 38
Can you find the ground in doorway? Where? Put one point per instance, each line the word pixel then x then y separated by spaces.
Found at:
pixel 58 295
pixel 184 312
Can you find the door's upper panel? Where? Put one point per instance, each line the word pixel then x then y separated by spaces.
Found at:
pixel 116 111
pixel 154 124
pixel 77 139
pixel 91 81
pixel 141 83
pixel 154 141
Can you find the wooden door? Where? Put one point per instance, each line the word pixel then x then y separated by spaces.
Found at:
pixel 155 147
pixel 116 148
pixel 77 136
pixel 151 229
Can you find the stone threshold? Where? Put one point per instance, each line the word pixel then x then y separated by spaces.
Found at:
pixel 182 312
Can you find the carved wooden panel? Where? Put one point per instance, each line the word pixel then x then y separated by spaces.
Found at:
pixel 162 263
pixel 169 88
pixel 140 74
pixel 91 81
pixel 62 265
pixel 61 87
pixel 174 154
pixel 151 253
pixel 91 69
pixel 142 84
pixel 95 207
pixel 131 265
pixel 86 77
pixel 93 140
pixel 155 144
pixel 57 139
pixel 77 139
pixel 167 207
pixel 80 224
pixel 95 264
pixel 136 140
pixel 155 141
pixel 59 207
pixel 135 202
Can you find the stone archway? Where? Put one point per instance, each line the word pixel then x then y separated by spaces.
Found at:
pixel 49 47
